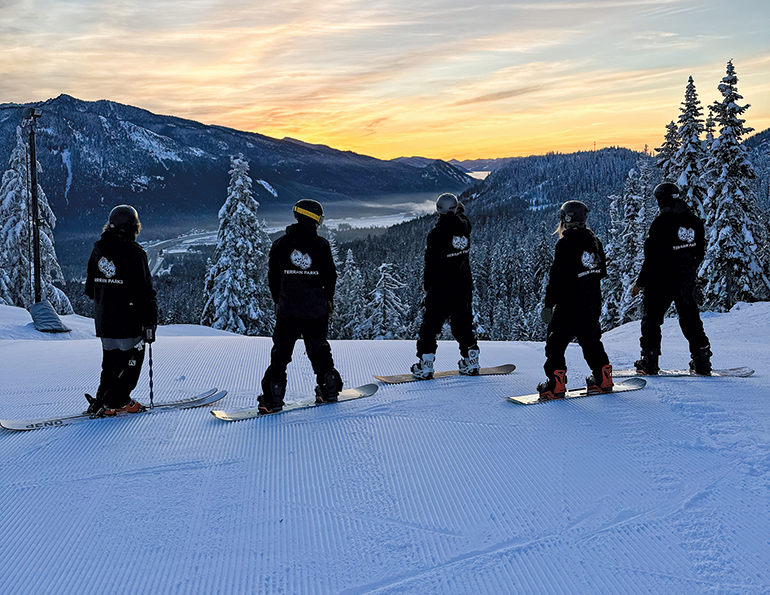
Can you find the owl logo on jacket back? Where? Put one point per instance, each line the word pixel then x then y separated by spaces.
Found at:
pixel 300 260
pixel 107 267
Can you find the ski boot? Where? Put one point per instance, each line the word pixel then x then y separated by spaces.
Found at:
pixel 329 388
pixel 469 366
pixel 130 407
pixel 271 399
pixel 423 370
pixel 555 387
pixel 600 383
pixel 700 364
pixel 647 365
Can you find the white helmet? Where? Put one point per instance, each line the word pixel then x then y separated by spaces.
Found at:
pixel 446 203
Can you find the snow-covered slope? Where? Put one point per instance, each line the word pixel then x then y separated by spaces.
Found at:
pixel 440 487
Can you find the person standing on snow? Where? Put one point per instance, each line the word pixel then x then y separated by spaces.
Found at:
pixel 302 278
pixel 573 304
pixel 125 311
pixel 448 287
pixel 673 251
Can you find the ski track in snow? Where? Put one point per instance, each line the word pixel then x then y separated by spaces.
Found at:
pixel 439 487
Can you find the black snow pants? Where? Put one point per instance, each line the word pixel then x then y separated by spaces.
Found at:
pixel 120 374
pixel 567 325
pixel 657 301
pixel 438 308
pixel 287 332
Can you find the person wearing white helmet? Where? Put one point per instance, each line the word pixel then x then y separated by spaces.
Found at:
pixel 448 288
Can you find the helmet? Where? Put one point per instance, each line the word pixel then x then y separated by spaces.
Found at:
pixel 124 218
pixel 573 211
pixel 665 193
pixel 308 210
pixel 446 203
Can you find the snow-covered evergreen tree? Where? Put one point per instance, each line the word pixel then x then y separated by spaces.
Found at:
pixel 691 156
pixel 386 311
pixel 612 284
pixel 6 299
pixel 16 237
pixel 631 245
pixel 667 152
pixel 735 267
pixel 236 293
pixel 349 299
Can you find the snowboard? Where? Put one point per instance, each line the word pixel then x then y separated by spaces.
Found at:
pixel 205 398
pixel 349 394
pixel 401 378
pixel 742 372
pixel 620 387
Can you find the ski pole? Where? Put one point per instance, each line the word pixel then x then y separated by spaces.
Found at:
pixel 152 402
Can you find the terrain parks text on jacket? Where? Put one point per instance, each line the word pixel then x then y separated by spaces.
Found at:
pixel 447 255
pixel 579 265
pixel 301 273
pixel 674 248
pixel 120 284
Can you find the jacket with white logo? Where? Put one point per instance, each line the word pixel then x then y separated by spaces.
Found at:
pixel 120 284
pixel 301 273
pixel 447 256
pixel 579 265
pixel 674 248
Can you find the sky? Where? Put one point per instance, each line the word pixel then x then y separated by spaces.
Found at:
pixel 388 78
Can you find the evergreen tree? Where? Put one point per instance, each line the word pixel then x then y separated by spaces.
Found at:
pixel 16 237
pixel 6 299
pixel 735 267
pixel 631 245
pixel 236 294
pixel 691 156
pixel 385 311
pixel 348 301
pixel 612 284
pixel 667 152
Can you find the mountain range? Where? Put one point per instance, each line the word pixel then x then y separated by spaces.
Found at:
pixel 94 155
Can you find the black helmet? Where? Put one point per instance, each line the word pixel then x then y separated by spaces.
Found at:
pixel 446 203
pixel 308 210
pixel 573 211
pixel 124 218
pixel 665 193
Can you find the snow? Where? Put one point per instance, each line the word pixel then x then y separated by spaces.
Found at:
pixel 440 487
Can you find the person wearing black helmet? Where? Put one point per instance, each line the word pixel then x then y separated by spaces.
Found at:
pixel 302 278
pixel 125 310
pixel 448 288
pixel 673 250
pixel 573 304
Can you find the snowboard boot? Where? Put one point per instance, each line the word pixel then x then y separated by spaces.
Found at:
pixel 130 407
pixel 648 364
pixel 701 361
pixel 329 388
pixel 601 382
pixel 271 399
pixel 469 366
pixel 423 370
pixel 94 405
pixel 555 387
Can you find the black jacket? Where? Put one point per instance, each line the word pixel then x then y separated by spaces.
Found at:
pixel 301 273
pixel 447 256
pixel 579 265
pixel 120 284
pixel 674 248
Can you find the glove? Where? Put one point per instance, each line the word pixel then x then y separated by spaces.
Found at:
pixel 546 315
pixel 460 208
pixel 148 334
pixel 635 289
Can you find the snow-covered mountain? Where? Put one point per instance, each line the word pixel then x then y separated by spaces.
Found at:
pixel 98 154
pixel 440 487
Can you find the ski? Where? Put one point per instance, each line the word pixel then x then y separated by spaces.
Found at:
pixel 402 378
pixel 201 400
pixel 742 372
pixel 349 394
pixel 620 387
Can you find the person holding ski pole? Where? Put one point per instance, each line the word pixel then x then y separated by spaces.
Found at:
pixel 302 278
pixel 125 311
pixel 448 288
pixel 573 304
pixel 673 250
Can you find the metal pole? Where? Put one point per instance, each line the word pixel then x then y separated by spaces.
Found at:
pixel 35 209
